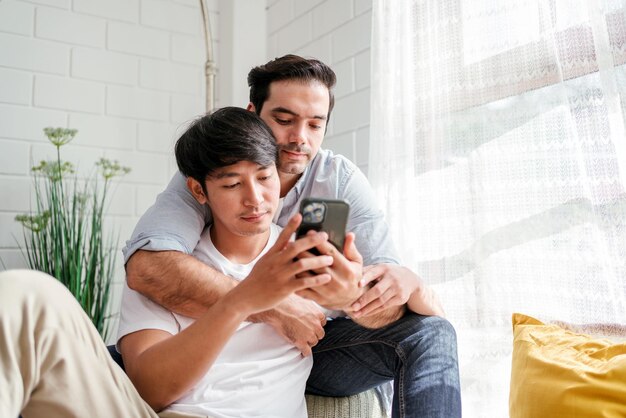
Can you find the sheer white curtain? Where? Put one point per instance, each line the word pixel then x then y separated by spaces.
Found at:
pixel 498 152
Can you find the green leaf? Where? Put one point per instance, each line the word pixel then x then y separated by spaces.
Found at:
pixel 64 235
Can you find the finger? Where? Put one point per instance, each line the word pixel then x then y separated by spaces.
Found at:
pixel 340 264
pixel 305 349
pixel 306 254
pixel 381 303
pixel 371 273
pixel 327 248
pixel 313 271
pixel 392 302
pixel 305 264
pixel 372 294
pixel 367 308
pixel 309 282
pixel 305 243
pixel 287 232
pixel 309 294
pixel 320 333
pixel 349 249
pixel 304 274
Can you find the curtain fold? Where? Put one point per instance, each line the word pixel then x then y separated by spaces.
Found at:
pixel 498 151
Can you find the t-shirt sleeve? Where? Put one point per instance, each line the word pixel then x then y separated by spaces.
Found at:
pixel 139 313
pixel 373 239
pixel 173 223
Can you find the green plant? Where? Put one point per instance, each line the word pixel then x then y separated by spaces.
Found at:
pixel 64 234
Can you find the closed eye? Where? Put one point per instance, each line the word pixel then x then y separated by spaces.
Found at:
pixel 230 186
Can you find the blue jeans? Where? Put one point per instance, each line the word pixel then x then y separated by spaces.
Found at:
pixel 418 352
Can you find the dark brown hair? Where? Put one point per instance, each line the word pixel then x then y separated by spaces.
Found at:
pixel 289 67
pixel 222 138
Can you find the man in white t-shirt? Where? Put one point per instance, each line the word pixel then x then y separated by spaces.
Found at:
pixel 229 160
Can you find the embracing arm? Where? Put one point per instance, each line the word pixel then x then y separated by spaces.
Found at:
pixel 163 366
pixel 157 256
pixel 179 282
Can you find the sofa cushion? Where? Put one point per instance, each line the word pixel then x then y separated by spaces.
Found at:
pixel 362 405
pixel 557 372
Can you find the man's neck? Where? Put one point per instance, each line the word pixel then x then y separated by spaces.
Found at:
pixel 238 249
pixel 287 181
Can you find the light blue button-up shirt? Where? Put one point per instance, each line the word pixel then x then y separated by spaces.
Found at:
pixel 176 219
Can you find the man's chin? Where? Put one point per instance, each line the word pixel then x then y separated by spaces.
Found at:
pixel 293 168
pixel 250 230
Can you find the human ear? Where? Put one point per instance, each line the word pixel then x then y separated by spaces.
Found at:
pixel 196 190
pixel 251 107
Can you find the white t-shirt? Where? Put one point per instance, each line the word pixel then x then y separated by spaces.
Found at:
pixel 257 374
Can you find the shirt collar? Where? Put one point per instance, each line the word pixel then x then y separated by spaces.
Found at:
pixel 299 186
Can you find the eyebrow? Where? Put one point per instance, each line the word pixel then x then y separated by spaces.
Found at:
pixel 280 109
pixel 230 174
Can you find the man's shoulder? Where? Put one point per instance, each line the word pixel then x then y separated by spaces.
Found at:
pixel 331 169
pixel 327 159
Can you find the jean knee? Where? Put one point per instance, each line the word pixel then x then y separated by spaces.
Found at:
pixel 434 335
pixel 444 331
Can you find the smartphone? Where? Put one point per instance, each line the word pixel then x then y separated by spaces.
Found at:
pixel 330 216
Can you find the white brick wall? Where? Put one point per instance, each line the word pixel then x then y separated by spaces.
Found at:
pixel 338 32
pixel 69 27
pixel 100 65
pixel 125 73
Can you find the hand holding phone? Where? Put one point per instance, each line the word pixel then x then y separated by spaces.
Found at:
pixel 330 216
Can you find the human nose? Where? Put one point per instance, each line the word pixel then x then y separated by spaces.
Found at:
pixel 253 196
pixel 298 133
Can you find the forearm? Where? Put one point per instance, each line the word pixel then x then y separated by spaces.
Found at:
pixel 382 318
pixel 424 301
pixel 168 369
pixel 179 282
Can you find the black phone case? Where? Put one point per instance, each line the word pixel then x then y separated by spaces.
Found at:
pixel 333 222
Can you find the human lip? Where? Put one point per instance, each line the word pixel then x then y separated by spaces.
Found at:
pixel 254 217
pixel 296 155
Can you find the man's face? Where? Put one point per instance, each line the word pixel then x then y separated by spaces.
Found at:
pixel 296 112
pixel 243 197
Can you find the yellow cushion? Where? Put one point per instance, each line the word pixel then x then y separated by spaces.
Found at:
pixel 559 373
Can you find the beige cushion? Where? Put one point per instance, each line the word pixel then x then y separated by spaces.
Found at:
pixel 363 405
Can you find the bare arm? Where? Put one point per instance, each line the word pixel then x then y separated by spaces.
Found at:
pixel 177 281
pixel 183 284
pixel 163 367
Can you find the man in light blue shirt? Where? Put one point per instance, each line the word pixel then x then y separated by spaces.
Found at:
pixel 379 342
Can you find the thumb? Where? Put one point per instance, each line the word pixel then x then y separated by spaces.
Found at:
pixel 349 249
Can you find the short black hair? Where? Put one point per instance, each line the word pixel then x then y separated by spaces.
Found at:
pixel 222 138
pixel 289 67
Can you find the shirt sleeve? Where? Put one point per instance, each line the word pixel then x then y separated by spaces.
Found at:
pixel 139 313
pixel 173 223
pixel 373 239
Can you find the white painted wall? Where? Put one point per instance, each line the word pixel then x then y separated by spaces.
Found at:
pixel 337 32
